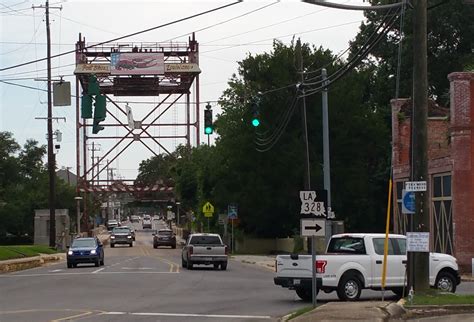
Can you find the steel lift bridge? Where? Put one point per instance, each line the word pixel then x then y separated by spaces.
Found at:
pixel 164 73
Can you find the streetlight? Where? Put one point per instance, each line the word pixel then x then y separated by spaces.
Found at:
pixel 177 210
pixel 78 213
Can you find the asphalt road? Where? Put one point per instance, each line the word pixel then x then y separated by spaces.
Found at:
pixel 140 283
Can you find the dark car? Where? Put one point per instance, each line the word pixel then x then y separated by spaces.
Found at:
pixel 132 231
pixel 121 235
pixel 164 237
pixel 85 250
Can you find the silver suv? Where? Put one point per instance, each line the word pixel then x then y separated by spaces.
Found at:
pixel 146 223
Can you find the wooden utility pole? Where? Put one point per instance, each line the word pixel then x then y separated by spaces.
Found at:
pixel 420 138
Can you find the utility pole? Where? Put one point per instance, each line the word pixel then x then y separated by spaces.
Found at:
pixel 93 149
pixel 307 181
pixel 51 157
pixel 326 159
pixel 420 138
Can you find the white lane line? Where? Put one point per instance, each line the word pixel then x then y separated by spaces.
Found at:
pixel 217 316
pixel 98 270
pixel 56 270
pixel 88 273
pixel 137 268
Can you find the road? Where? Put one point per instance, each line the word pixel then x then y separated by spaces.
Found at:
pixel 140 283
pixel 144 284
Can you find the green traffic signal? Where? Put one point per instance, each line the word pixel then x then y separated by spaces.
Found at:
pixel 208 127
pixel 255 122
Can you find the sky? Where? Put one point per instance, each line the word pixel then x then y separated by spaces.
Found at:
pixel 225 37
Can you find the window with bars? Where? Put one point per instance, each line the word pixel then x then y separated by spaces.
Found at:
pixel 442 216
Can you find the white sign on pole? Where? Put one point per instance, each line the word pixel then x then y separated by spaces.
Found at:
pixel 415 186
pixel 131 123
pixel 418 242
pixel 309 205
pixel 313 227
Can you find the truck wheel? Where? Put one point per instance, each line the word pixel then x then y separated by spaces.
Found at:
pixel 112 245
pixel 304 294
pixel 189 264
pixel 97 263
pixel 349 288
pixel 69 265
pixel 216 266
pixel 224 266
pixel 446 282
pixel 183 263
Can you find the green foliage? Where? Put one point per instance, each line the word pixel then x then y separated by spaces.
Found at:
pixel 442 299
pixel 24 186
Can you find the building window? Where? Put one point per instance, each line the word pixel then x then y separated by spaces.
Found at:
pixel 400 220
pixel 442 216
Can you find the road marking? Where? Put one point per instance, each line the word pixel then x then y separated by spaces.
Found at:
pixel 56 270
pixel 96 271
pixel 67 318
pixel 87 273
pixel 217 316
pixel 139 268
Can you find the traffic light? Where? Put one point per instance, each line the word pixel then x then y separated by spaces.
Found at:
pixel 93 86
pixel 255 112
pixel 100 111
pixel 208 127
pixel 86 106
pixel 255 117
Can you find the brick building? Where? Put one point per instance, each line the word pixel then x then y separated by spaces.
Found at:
pixel 450 169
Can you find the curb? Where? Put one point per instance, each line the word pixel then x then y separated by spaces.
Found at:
pixel 19 264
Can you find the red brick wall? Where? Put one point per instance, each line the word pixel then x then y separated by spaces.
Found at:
pixel 462 141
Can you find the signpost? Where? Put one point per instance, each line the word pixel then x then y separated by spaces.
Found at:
pixel 232 213
pixel 313 203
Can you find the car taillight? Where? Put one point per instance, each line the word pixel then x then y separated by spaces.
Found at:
pixel 321 267
pixel 276 267
pixel 190 250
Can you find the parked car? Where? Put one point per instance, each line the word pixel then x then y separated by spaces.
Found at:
pixel 354 262
pixel 85 250
pixel 134 218
pixel 112 223
pixel 164 237
pixel 146 223
pixel 207 249
pixel 121 235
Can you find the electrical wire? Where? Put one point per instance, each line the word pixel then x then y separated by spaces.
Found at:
pixel 226 21
pixel 127 36
pixel 350 65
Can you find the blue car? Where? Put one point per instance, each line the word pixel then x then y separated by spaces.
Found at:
pixel 85 250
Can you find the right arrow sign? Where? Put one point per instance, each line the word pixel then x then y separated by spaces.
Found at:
pixel 313 227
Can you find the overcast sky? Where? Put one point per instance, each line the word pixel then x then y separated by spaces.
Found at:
pixel 225 37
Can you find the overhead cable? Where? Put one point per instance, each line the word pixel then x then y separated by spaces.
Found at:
pixel 324 3
pixel 126 36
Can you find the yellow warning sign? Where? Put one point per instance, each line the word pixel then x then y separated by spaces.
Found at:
pixel 208 209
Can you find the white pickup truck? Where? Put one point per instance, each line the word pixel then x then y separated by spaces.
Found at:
pixel 207 249
pixel 354 262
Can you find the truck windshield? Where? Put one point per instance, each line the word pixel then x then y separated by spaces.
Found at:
pixel 347 245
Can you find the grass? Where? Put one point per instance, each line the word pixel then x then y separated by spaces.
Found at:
pixel 442 299
pixel 11 252
pixel 300 312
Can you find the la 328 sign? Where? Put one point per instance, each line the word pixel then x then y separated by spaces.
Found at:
pixel 311 204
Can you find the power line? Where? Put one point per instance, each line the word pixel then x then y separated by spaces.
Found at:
pixel 228 20
pixel 127 36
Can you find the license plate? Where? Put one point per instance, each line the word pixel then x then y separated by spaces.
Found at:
pixel 207 259
pixel 296 282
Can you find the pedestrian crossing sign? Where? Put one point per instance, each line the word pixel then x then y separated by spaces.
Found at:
pixel 208 209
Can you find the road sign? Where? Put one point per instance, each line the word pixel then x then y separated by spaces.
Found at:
pixel 418 242
pixel 313 203
pixel 415 186
pixel 408 202
pixel 232 211
pixel 313 227
pixel 208 209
